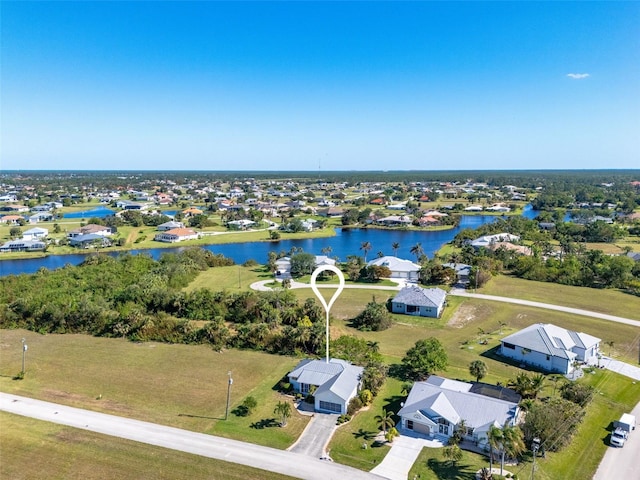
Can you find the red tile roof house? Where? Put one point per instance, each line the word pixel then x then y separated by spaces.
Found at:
pixel 11 219
pixel 176 235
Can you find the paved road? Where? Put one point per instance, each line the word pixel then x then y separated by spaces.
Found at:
pixel 265 458
pixel 622 463
pixel 548 306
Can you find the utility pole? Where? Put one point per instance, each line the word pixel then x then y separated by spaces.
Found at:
pixel 24 352
pixel 535 446
pixel 226 412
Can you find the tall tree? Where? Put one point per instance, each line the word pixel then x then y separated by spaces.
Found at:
pixel 395 246
pixel 424 358
pixel 417 250
pixel 365 247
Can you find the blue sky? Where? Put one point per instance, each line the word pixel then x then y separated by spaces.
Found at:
pixel 336 86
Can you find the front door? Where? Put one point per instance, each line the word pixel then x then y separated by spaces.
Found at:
pixel 443 429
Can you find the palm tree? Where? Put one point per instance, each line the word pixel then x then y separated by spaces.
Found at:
pixel 395 246
pixel 478 369
pixel 537 384
pixel 417 250
pixel 380 254
pixel 283 410
pixel 366 247
pixel 512 443
pixel 326 250
pixel 385 420
pixel 494 438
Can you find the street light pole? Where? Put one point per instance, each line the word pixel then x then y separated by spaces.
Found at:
pixel 226 412
pixel 24 351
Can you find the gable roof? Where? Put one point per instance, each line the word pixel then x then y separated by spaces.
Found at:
pixel 422 297
pixel 452 400
pixel 337 376
pixel 551 340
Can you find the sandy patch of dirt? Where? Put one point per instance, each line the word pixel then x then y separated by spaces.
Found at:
pixel 466 314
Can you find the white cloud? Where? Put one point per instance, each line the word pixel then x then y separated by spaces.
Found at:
pixel 577 76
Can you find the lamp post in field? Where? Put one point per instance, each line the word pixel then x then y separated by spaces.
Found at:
pixel 24 352
pixel 226 412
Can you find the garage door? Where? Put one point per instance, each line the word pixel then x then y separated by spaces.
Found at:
pixel 330 407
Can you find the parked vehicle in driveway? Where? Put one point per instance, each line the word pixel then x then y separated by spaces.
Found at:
pixel 627 422
pixel 622 429
pixel 618 437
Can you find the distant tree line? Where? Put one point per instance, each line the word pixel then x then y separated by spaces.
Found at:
pixel 573 264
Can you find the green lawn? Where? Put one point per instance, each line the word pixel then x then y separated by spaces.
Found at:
pixel 607 301
pixel 35 449
pixel 182 386
pixel 233 278
pixel 347 444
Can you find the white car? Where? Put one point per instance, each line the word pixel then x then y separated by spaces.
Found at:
pixel 618 437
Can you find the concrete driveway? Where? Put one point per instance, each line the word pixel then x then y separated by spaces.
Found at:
pixel 622 463
pixel 622 368
pixel 265 458
pixel 402 455
pixel 316 436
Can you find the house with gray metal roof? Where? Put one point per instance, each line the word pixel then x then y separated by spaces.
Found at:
pixel 551 348
pixel 336 382
pixel 434 408
pixel 423 302
pixel 399 267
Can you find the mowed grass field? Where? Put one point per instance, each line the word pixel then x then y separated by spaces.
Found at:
pixel 471 329
pixel 35 449
pixel 606 300
pixel 182 386
pixel 185 386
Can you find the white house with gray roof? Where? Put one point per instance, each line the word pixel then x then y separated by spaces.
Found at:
pixel 423 302
pixel 335 382
pixel 400 268
pixel 434 408
pixel 550 348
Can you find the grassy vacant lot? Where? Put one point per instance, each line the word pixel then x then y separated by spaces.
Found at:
pixel 178 385
pixel 31 447
pixel 233 278
pixel 607 301
pixel 468 322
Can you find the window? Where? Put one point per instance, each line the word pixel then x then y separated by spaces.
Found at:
pixel 548 357
pixel 508 345
pixel 410 424
pixel 412 309
pixel 331 407
pixel 304 387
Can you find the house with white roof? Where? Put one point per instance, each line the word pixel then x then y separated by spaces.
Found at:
pixel 170 225
pixel 423 302
pixel 550 348
pixel 487 240
pixel 35 233
pixel 404 269
pixel 336 382
pixel 434 407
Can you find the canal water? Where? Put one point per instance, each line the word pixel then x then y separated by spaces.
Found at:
pixel 345 242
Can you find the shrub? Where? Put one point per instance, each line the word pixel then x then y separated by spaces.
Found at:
pixel 250 403
pixel 250 263
pixel 366 397
pixel 355 404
